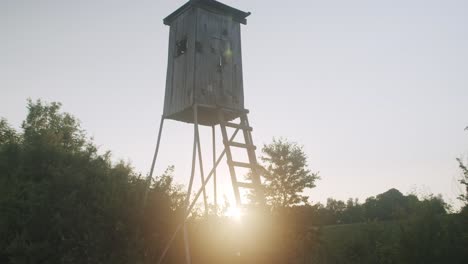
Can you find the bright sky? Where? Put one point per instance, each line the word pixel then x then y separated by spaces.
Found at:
pixel 376 91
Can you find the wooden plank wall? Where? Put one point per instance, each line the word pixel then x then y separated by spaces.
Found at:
pixel 180 70
pixel 207 78
pixel 238 81
pixel 210 71
pixel 226 88
pixel 169 74
pixel 218 85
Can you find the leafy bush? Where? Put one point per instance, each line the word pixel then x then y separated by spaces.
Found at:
pixel 63 202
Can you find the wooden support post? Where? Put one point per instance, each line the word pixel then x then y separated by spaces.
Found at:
pixel 189 191
pixel 215 194
pixel 194 157
pixel 188 258
pixel 187 212
pixel 150 175
pixel 209 176
pixel 200 158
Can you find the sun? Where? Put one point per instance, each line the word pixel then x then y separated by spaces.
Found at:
pixel 234 213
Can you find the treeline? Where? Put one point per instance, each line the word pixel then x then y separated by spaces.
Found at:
pixel 61 201
pixel 390 205
pixel 388 228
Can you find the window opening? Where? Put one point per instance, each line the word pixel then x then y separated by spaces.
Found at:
pixel 181 47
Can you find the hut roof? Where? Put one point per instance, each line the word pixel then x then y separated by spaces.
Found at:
pixel 210 5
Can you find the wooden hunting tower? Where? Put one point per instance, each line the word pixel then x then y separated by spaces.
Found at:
pixel 204 62
pixel 204 87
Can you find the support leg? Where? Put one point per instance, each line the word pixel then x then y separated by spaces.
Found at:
pixel 188 259
pixel 215 194
pixel 200 159
pixel 150 176
pixel 205 199
pixel 189 191
pixel 168 245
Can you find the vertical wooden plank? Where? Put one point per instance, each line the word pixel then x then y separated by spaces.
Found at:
pixel 215 194
pixel 215 58
pixel 209 85
pixel 228 54
pixel 179 66
pixel 188 85
pixel 237 69
pixel 170 72
pixel 200 55
pixel 176 70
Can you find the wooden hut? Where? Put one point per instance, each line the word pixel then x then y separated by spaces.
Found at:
pixel 204 62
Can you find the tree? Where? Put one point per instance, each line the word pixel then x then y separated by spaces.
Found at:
pixel 391 205
pixel 63 202
pixel 286 173
pixel 464 179
pixel 7 134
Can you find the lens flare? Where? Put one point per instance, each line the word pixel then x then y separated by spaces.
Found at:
pixel 234 213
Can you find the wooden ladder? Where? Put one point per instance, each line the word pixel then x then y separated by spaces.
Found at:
pixel 255 183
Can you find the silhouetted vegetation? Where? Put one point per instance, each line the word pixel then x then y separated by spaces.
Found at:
pixel 285 173
pixel 61 201
pixel 390 205
pixel 464 181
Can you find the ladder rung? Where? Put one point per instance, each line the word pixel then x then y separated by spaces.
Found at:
pixel 241 164
pixel 246 185
pixel 240 145
pixel 240 126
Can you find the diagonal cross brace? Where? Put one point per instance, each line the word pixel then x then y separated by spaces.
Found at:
pixel 192 204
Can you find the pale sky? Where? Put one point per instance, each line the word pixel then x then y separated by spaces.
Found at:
pixel 375 91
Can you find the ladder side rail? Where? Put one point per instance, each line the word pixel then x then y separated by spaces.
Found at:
pixel 215 194
pixel 227 148
pixel 253 160
pixel 153 163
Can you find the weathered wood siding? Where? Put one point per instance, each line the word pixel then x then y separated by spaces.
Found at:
pixel 210 71
pixel 180 69
pixel 218 61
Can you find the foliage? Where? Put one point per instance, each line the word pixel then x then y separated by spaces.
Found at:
pixel 63 202
pixel 429 238
pixel 464 181
pixel 286 173
pixel 425 235
pixel 390 205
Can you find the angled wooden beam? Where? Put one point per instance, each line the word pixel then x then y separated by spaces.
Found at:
pixel 150 175
pixel 192 204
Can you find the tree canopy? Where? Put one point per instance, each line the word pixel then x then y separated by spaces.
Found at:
pixel 63 202
pixel 286 173
pixel 464 181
